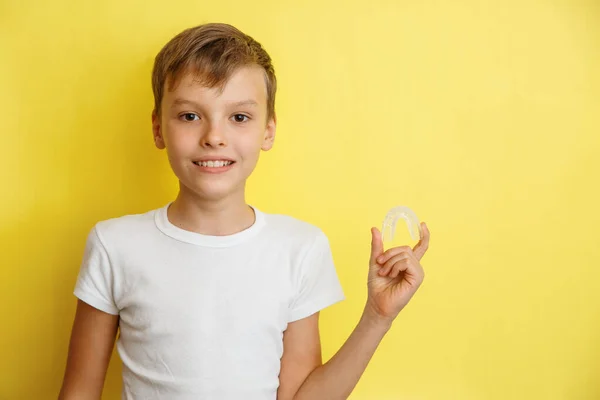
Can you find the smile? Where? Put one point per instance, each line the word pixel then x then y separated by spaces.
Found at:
pixel 213 164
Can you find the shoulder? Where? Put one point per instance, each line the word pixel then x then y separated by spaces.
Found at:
pixel 294 230
pixel 126 227
pixel 288 224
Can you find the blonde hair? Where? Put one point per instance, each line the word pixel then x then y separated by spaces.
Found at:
pixel 213 52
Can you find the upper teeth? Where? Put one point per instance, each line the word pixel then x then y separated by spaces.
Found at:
pixel 213 163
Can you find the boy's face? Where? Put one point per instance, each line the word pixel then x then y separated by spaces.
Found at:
pixel 213 138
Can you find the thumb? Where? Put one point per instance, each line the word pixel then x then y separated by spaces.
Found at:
pixel 376 245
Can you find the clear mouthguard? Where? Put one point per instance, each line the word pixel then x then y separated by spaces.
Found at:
pixel 391 218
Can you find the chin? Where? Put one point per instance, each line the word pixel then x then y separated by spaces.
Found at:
pixel 212 191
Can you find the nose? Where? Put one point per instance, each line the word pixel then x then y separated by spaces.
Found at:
pixel 213 137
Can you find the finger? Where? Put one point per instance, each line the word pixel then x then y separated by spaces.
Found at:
pixel 421 248
pixel 399 267
pixel 387 267
pixel 376 245
pixel 394 251
pixel 411 268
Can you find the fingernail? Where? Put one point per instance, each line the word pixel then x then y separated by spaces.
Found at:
pixel 380 258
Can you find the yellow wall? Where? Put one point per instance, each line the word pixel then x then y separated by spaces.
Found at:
pixel 484 117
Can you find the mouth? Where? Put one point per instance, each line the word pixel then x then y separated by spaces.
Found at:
pixel 214 163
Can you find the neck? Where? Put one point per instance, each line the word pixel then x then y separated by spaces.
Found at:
pixel 221 217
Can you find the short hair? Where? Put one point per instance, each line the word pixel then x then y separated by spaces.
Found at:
pixel 213 52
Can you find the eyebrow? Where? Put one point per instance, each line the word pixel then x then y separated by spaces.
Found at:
pixel 181 101
pixel 248 102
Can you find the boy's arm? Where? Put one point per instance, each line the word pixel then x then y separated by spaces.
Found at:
pixel 90 348
pixel 394 277
pixel 301 355
pixel 302 374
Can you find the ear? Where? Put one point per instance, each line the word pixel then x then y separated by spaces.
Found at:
pixel 269 137
pixel 157 131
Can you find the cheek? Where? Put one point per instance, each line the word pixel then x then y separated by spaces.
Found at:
pixel 179 143
pixel 250 149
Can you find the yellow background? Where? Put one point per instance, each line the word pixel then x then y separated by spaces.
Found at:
pixel 482 116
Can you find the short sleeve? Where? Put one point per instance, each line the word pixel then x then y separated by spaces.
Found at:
pixel 95 279
pixel 318 286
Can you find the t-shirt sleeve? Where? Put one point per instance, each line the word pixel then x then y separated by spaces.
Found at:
pixel 95 280
pixel 318 286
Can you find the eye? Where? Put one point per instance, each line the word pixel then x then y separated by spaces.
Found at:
pixel 189 117
pixel 240 118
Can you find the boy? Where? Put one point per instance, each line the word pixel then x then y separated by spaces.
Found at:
pixel 213 298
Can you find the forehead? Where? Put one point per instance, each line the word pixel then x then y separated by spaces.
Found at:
pixel 245 83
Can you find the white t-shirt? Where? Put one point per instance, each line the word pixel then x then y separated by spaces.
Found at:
pixel 202 317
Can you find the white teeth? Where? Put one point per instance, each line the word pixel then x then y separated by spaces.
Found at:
pixel 213 164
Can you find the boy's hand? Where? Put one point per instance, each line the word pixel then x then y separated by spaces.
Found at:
pixel 394 276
